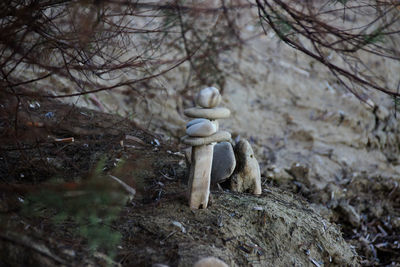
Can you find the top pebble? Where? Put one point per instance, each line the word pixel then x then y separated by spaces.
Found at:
pixel 208 97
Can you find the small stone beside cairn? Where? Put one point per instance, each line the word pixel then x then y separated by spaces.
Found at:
pixel 247 176
pixel 202 135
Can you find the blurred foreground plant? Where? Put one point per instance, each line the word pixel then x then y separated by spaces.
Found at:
pixel 91 206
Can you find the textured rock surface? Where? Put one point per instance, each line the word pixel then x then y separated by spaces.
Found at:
pixel 208 97
pixel 201 128
pixel 303 114
pixel 247 176
pixel 224 162
pixel 275 229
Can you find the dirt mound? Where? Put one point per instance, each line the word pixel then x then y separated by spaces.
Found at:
pixel 275 229
pixel 157 226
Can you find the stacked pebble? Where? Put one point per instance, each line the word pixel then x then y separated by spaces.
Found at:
pixel 202 133
pixel 212 162
pixel 206 115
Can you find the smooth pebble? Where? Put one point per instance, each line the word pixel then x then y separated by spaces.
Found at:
pixel 200 128
pixel 224 162
pixel 208 97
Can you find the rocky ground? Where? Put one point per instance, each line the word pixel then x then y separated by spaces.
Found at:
pixel 156 225
pixel 329 165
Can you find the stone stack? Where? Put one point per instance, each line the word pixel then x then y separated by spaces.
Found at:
pixel 202 134
pixel 212 158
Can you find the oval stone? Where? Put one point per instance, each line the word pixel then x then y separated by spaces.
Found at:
pixel 224 162
pixel 200 128
pixel 208 97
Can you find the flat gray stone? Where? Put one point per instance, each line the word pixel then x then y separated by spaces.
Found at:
pixel 219 136
pixel 224 162
pixel 208 113
pixel 247 175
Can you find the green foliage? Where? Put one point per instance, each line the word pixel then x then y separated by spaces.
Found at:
pixel 170 19
pixel 282 25
pixel 396 101
pixel 343 2
pixel 91 205
pixel 375 37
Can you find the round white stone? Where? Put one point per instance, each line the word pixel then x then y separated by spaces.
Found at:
pixel 208 97
pixel 200 128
